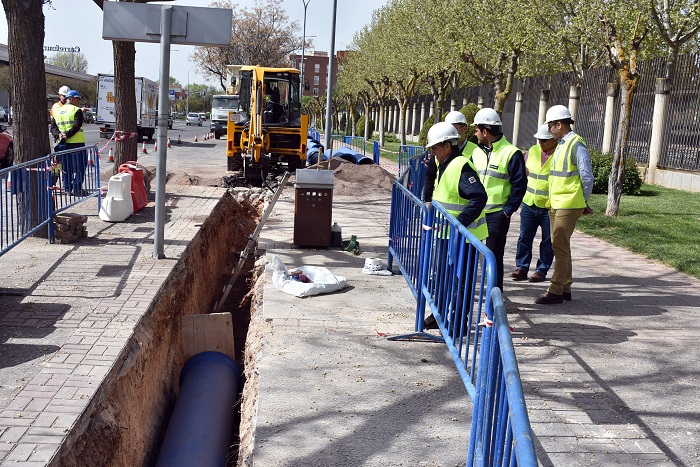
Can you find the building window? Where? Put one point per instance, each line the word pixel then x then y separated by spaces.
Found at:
pixel 317 68
pixel 316 80
pixel 316 92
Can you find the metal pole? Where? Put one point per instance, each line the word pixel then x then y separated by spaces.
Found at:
pixel 329 93
pixel 303 51
pixel 166 13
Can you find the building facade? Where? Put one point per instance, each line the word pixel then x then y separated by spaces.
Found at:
pixel 316 68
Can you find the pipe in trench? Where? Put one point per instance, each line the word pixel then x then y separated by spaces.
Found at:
pixel 199 432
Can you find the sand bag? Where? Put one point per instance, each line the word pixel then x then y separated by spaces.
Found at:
pixel 304 281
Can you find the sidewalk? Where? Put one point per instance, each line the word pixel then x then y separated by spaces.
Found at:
pixel 610 378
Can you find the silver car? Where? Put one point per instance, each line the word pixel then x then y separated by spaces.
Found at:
pixel 193 119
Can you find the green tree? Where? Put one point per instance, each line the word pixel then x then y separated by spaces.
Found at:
pixel 678 22
pixel 70 61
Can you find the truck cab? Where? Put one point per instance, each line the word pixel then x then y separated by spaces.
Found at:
pixel 221 105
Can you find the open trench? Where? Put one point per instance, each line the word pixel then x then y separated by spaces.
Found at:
pixel 126 420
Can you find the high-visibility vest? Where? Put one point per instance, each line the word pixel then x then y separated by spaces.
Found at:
pixel 493 171
pixel 565 189
pixel 56 107
pixel 468 149
pixel 537 192
pixel 65 118
pixel 446 192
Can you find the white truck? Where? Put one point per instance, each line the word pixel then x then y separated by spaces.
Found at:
pixel 146 101
pixel 222 104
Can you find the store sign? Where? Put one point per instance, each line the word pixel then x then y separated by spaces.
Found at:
pixel 58 48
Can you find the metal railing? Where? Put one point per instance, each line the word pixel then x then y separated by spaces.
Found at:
pixel 31 193
pixel 454 274
pixel 406 153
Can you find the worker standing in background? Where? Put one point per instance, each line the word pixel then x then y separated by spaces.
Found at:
pixel 502 170
pixel 61 99
pixel 534 212
pixel 570 185
pixel 67 128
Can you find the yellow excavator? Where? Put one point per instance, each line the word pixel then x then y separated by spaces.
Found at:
pixel 268 133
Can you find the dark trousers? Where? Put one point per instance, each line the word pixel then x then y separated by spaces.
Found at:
pixel 532 218
pixel 498 225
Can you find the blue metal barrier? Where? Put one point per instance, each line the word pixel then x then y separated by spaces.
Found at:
pixel 50 184
pixel 406 153
pixel 457 281
pixel 405 233
pixel 375 152
pixel 357 143
pixel 501 433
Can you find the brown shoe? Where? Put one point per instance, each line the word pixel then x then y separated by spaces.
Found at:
pixel 518 275
pixel 549 299
pixel 536 277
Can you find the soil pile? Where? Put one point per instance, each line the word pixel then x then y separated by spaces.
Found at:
pixel 351 179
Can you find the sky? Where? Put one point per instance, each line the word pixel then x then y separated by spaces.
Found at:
pixel 86 32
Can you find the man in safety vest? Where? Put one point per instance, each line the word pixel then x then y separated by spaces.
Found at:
pixel 534 211
pixel 570 185
pixel 459 121
pixel 61 99
pixel 67 128
pixel 502 170
pixel 457 187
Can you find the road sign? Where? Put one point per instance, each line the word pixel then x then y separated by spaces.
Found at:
pixel 171 94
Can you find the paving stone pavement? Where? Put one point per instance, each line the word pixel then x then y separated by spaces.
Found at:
pixel 610 378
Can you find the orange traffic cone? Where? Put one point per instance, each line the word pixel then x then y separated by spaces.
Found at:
pixel 143 149
pixel 169 146
pixel 179 141
pixel 110 157
pixel 8 183
pixel 195 138
pixel 90 161
pixel 155 146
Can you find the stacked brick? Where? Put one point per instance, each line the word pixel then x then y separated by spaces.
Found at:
pixel 70 227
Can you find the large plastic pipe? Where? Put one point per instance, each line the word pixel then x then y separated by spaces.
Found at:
pixel 200 428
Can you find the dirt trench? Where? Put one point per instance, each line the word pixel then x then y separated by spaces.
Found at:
pixel 126 420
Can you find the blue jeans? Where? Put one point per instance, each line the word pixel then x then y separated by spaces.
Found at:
pixel 532 217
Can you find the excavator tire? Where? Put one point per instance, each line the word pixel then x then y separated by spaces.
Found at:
pixel 235 163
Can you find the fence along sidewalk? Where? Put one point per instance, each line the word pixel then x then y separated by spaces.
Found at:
pixel 448 269
pixel 32 193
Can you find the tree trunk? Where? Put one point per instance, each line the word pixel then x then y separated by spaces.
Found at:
pixel 25 34
pixel 628 87
pixel 403 106
pixel 125 101
pixel 368 115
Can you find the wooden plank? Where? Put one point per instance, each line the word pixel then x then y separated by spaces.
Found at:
pixel 207 332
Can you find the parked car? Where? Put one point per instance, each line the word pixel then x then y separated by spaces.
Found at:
pixel 3 114
pixel 203 116
pixel 194 119
pixel 7 151
pixel 88 116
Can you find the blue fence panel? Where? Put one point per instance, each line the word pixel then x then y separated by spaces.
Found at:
pixel 375 152
pixel 31 193
pixel 405 233
pixel 458 273
pixel 457 281
pixel 501 433
pixel 357 143
pixel 407 152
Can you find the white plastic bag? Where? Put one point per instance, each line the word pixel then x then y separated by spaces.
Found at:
pixel 322 280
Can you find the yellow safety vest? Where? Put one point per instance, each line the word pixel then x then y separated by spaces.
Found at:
pixel 537 192
pixel 56 107
pixel 469 149
pixel 493 171
pixel 565 189
pixel 65 118
pixel 446 192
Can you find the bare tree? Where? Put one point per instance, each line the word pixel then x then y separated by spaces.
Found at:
pixel 261 35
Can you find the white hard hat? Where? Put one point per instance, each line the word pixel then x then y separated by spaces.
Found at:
pixel 456 117
pixel 543 132
pixel 556 113
pixel 64 90
pixel 441 132
pixel 487 116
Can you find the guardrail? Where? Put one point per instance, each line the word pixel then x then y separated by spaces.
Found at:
pixel 406 153
pixel 457 277
pixel 31 193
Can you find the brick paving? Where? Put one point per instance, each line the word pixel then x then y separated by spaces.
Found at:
pixel 610 378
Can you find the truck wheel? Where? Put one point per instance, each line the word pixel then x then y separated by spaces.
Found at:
pixel 293 163
pixel 235 163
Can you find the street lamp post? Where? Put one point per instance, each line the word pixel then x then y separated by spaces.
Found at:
pixel 187 102
pixel 303 45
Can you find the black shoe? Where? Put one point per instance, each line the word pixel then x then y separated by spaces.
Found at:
pixel 567 296
pixel 548 298
pixel 430 323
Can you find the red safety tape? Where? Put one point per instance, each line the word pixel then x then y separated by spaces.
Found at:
pixel 489 323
